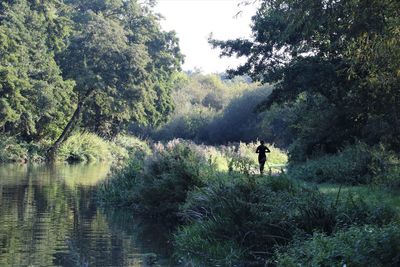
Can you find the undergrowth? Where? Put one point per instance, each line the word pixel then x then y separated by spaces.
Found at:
pixel 223 215
pixel 238 223
pixel 356 246
pixel 357 164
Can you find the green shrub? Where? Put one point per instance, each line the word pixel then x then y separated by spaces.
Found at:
pixel 195 249
pixel 37 151
pixel 191 125
pixel 353 210
pixel 233 221
pixel 159 184
pixel 237 121
pixel 169 174
pixel 12 151
pixel 357 164
pixel 84 147
pixel 357 246
pixel 124 146
pixel 385 168
pixel 120 189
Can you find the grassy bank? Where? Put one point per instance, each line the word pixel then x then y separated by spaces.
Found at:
pixel 80 147
pixel 151 183
pixel 225 215
pixel 369 193
pixel 358 164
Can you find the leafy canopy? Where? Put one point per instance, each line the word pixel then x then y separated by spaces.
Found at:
pixel 106 60
pixel 343 54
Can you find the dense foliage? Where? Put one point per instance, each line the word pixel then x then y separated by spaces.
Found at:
pixel 199 99
pixel 358 246
pixel 226 215
pixel 106 60
pixel 341 57
pixel 75 74
pixel 357 164
pixel 156 184
pixel 35 99
pixel 213 110
pixel 233 223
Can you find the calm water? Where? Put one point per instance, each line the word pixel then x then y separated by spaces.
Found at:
pixel 49 217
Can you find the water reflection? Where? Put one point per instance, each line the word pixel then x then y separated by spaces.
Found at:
pixel 49 217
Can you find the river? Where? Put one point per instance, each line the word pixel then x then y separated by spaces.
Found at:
pixel 49 216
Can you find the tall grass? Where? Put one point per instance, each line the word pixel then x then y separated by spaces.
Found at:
pixel 84 147
pixel 157 184
pixel 235 222
pixel 225 215
pixel 123 147
pixel 80 147
pixel 88 147
pixel 173 165
pixel 357 164
pixel 357 246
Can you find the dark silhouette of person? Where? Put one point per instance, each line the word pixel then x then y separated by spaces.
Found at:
pixel 262 157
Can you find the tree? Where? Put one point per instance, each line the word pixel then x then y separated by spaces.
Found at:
pixel 344 54
pixel 121 62
pixel 34 97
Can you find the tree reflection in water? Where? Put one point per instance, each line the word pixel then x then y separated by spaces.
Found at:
pixel 49 217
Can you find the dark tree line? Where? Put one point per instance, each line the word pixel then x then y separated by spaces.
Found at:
pixel 338 59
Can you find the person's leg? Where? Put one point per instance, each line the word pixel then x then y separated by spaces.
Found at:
pixel 262 163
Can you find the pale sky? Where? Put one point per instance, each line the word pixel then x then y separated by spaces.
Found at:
pixel 194 20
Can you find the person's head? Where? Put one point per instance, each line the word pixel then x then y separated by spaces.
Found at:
pixel 262 142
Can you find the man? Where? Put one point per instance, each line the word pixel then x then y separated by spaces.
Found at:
pixel 262 157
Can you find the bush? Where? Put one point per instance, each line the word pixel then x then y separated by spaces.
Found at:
pixel 357 246
pixel 38 151
pixel 385 168
pixel 218 111
pixel 169 174
pixel 157 185
pixel 12 151
pixel 232 221
pixel 124 146
pixel 84 147
pixel 121 188
pixel 351 210
pixel 357 164
pixel 231 218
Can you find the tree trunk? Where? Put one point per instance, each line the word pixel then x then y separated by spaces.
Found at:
pixel 52 152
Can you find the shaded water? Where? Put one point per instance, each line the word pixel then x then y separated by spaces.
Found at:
pixel 49 217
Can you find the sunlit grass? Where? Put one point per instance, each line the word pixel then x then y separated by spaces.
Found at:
pixel 84 147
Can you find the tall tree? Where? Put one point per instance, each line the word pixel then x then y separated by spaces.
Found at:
pixel 341 55
pixel 35 100
pixel 121 62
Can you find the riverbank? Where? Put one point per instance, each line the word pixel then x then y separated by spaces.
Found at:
pixel 80 147
pixel 223 214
